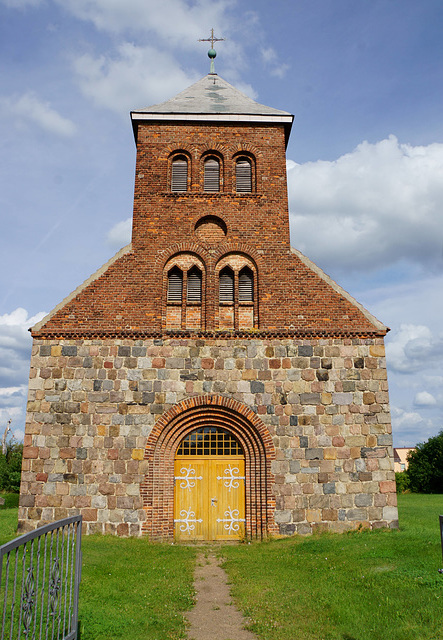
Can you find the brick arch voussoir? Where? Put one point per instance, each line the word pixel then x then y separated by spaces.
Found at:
pixel 172 416
pixel 169 150
pixel 181 247
pixel 250 440
pixel 208 147
pixel 252 450
pixel 237 247
pixel 246 148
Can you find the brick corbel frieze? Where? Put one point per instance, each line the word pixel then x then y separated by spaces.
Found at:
pixel 223 334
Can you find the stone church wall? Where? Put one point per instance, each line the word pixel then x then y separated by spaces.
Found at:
pixel 93 403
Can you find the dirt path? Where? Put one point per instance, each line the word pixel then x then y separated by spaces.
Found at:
pixel 214 616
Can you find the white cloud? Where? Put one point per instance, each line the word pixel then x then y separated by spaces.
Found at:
pixel 270 58
pixel 412 348
pixel 434 381
pixel 424 399
pixel 409 427
pixel 146 67
pixel 137 77
pixel 19 318
pixel 370 208
pixel 29 107
pixel 179 23
pixel 7 392
pixel 20 4
pixel 15 353
pixel 120 234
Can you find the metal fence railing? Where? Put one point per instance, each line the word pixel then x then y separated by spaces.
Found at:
pixel 39 583
pixel 441 538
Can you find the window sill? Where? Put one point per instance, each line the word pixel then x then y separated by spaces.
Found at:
pixel 210 194
pixel 179 304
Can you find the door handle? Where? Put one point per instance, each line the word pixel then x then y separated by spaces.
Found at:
pixel 213 501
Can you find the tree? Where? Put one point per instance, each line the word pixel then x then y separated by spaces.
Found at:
pixel 425 470
pixel 10 464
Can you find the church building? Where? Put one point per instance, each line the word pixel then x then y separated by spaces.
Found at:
pixel 209 382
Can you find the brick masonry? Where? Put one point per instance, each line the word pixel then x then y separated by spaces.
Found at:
pixel 94 403
pixel 119 373
pixel 128 296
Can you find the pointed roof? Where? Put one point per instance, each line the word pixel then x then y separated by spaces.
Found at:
pixel 213 99
pixel 212 94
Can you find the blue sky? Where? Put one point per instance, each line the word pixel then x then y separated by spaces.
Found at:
pixel 364 79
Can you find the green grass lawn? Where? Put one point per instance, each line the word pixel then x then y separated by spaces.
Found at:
pixel 8 517
pixel 130 589
pixel 357 586
pixel 134 590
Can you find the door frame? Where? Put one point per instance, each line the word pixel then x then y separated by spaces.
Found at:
pixel 208 518
pixel 157 486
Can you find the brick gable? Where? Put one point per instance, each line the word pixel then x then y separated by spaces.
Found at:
pixel 128 295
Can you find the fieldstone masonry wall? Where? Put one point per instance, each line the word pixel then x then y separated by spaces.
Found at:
pixel 93 403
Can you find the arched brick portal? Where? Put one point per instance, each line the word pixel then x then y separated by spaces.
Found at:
pixel 157 490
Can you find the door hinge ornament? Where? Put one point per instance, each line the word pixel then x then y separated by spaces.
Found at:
pixel 231 519
pixel 187 519
pixel 230 479
pixel 188 478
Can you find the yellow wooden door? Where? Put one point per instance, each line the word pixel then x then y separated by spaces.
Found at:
pixel 188 498
pixel 228 513
pixel 209 498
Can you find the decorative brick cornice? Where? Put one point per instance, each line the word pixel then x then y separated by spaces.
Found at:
pixel 253 334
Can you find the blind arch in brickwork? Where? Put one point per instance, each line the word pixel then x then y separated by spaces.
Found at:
pixel 163 256
pixel 157 489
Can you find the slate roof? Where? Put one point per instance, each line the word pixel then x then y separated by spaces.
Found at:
pixel 213 99
pixel 214 95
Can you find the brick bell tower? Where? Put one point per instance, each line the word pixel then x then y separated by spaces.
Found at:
pixel 209 328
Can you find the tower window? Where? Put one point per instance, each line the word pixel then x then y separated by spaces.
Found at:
pixel 212 175
pixel 179 175
pixel 175 285
pixel 246 285
pixel 226 286
pixel 243 176
pixel 194 293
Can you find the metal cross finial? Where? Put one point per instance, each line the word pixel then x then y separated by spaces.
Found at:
pixel 211 53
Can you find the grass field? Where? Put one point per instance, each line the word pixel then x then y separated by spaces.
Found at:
pixel 135 590
pixel 130 589
pixel 359 586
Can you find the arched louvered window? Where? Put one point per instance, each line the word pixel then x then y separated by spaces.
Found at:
pixel 175 285
pixel 179 175
pixel 212 175
pixel 243 176
pixel 194 293
pixel 246 285
pixel 226 285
